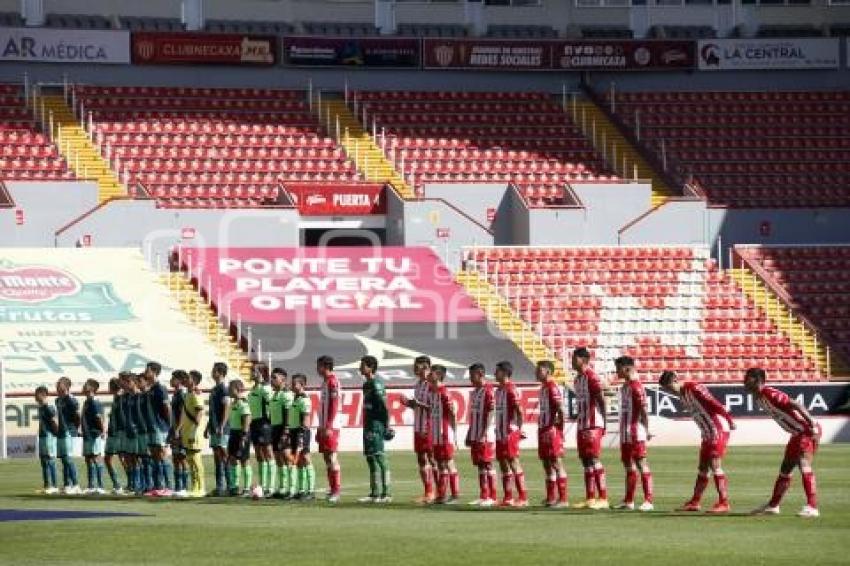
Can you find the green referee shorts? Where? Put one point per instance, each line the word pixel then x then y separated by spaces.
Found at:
pixel 373 440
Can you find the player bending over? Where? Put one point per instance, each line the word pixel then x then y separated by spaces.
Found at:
pixel 801 447
pixel 190 432
pixel 238 445
pixel 422 441
pixel 218 430
pixel 376 429
pixel 479 436
pixel 634 434
pixel 299 441
pixel 261 430
pixel 47 427
pixel 590 430
pixel 550 435
pixel 509 421
pixel 179 378
pixel 280 403
pixel 94 432
pixel 714 422
pixel 327 434
pixel 68 416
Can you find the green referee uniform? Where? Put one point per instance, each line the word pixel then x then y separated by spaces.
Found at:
pixel 375 424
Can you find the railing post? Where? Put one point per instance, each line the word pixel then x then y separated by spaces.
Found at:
pixel 564 97
pixel 374 128
pixel 663 155
pixel 50 129
pixel 310 93
pixel 346 92
pixel 26 89
pixel 91 126
pixel 613 96
pixel 574 97
pixel 593 130
pixel 637 124
pixel 337 128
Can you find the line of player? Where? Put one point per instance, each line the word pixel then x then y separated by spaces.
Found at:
pixel 273 418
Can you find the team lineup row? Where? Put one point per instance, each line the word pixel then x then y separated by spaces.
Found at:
pixel 145 427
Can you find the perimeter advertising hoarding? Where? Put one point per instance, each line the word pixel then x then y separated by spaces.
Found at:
pixel 45 45
pixel 768 54
pixel 203 48
pixel 351 51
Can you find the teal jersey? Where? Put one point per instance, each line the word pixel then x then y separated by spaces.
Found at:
pixel 116 419
pixel 67 408
pixel 301 406
pixel 219 400
pixel 92 419
pixel 375 403
pixel 157 398
pixel 258 401
pixel 128 403
pixel 46 413
pixel 138 409
pixel 279 405
pixel 178 399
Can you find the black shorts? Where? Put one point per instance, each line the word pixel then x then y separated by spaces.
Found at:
pixel 299 440
pixel 261 432
pixel 237 448
pixel 279 438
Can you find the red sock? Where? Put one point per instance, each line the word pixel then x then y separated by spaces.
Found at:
pixel 482 484
pixel 550 488
pixel 507 488
pixel 442 484
pixel 646 482
pixel 589 488
pixel 631 486
pixel 437 474
pixel 491 484
pixel 699 488
pixel 782 484
pixel 601 482
pixel 334 480
pixel 810 486
pixel 562 488
pixel 427 484
pixel 519 478
pixel 454 477
pixel 722 485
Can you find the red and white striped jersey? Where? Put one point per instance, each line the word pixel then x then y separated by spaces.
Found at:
pixel 329 407
pixel 711 416
pixel 440 407
pixel 481 405
pixel 588 388
pixel 778 405
pixel 421 415
pixel 550 400
pixel 507 401
pixel 632 398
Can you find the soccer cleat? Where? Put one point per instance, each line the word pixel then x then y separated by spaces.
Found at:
pixel 181 494
pixel 561 505
pixel 506 503
pixel 165 493
pixel 521 503
pixel 196 494
pixel 73 490
pixel 246 494
pixel 600 505
pixel 626 506
pixel 234 492
pixel 152 493
pixel 647 506
pixel 426 499
pixel 765 509
pixel 368 499
pixel 476 502
pixel 451 500
pixel 309 496
pixel 548 503
pixel 118 491
pixel 809 512
pixel 488 502
pixel 89 491
pixel 690 506
pixel 586 504
pixel 332 498
pixel 51 491
pixel 99 491
pixel 384 499
pixel 719 508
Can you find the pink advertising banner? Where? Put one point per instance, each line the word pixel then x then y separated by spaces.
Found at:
pixel 330 285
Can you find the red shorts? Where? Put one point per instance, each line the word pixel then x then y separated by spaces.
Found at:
pixel 801 444
pixel 422 443
pixel 329 442
pixel 713 448
pixel 590 442
pixel 550 443
pixel 631 451
pixel 482 453
pixel 508 449
pixel 444 452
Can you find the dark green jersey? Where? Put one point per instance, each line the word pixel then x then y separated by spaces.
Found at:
pixel 375 403
pixel 46 413
pixel 116 416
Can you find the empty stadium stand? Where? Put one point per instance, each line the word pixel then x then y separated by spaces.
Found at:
pixel 432 30
pixel 26 153
pixel 519 137
pixel 347 29
pixel 78 21
pixel 816 281
pixel 522 31
pixel 670 308
pixel 249 26
pixel 213 148
pixel 749 149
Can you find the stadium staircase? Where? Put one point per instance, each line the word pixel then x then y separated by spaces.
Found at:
pixel 615 148
pixel 201 313
pixel 74 144
pixel 499 311
pixel 785 320
pixel 360 146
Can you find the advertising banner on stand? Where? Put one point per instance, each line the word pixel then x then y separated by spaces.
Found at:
pixel 45 45
pixel 492 54
pixel 625 55
pixel 351 51
pixel 768 53
pixel 203 48
pixel 352 199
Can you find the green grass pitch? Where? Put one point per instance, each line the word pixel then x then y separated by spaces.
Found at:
pixel 235 531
